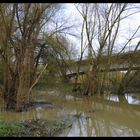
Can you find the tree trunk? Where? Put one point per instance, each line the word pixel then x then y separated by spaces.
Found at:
pixel 9 92
pixel 17 84
pixel 90 85
pixel 25 80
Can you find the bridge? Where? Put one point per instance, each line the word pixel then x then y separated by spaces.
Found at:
pixel 104 70
pixel 119 63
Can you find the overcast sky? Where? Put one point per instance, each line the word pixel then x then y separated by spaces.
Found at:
pixel 129 25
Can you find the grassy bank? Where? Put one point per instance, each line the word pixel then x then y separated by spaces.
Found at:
pixel 33 128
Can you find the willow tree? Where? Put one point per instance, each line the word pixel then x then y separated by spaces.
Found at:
pixel 100 31
pixel 20 30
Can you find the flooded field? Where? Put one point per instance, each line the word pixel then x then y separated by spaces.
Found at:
pixel 95 116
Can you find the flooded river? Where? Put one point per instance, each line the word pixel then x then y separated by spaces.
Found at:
pixel 98 116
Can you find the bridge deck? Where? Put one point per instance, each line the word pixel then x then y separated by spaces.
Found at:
pixel 104 70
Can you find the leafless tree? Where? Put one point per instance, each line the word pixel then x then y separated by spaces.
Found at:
pixel 21 25
pixel 101 26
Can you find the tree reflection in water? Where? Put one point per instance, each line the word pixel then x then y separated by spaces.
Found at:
pixel 96 116
pixel 109 118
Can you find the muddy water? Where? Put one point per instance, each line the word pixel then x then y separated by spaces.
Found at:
pixel 95 116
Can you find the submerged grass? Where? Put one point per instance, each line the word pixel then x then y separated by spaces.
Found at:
pixel 11 129
pixel 34 128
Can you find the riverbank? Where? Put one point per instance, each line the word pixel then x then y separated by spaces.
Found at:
pixel 34 128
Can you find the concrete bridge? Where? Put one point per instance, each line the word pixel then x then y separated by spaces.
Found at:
pixel 119 63
pixel 105 70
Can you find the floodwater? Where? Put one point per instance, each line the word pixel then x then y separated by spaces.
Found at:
pixel 98 116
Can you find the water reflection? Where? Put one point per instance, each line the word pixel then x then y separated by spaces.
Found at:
pixel 97 116
pixel 114 117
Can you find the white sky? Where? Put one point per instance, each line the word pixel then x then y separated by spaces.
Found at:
pixel 128 25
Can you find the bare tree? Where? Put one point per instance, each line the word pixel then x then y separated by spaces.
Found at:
pixel 102 23
pixel 21 26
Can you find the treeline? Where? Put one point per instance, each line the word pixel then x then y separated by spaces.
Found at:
pixel 34 41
